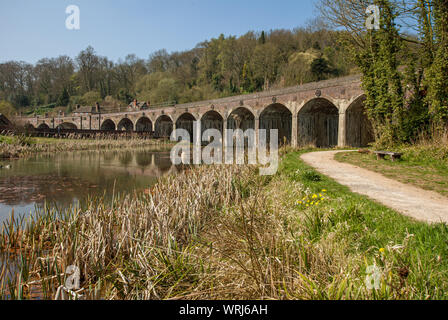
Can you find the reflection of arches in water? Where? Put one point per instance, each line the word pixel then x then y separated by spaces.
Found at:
pixel 359 130
pixel 143 124
pixel 43 126
pixel 163 127
pixel 144 159
pixel 185 121
pixel 109 156
pixel 125 125
pixel 162 161
pixel 67 126
pixel 318 123
pixel 277 116
pixel 108 125
pixel 241 118
pixel 125 158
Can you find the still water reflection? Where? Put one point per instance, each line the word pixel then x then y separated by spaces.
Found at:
pixel 70 177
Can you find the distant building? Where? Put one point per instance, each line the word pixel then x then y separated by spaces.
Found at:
pixel 81 111
pixel 135 105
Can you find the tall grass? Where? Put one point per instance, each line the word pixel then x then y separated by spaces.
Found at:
pixel 14 146
pixel 227 233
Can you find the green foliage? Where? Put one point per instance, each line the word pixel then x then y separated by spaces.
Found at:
pixel 382 80
pixel 64 98
pixel 90 98
pixel 437 75
pixel 320 69
pixel 215 68
pixel 6 108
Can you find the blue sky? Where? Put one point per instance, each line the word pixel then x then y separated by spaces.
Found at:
pixel 34 29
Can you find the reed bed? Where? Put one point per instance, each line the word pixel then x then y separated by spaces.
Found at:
pixel 14 146
pixel 224 232
pixel 137 247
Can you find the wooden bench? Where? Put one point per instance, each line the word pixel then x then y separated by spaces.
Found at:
pixel 393 155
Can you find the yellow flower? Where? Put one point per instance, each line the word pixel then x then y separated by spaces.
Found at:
pixel 324 190
pixel 314 196
pixel 382 250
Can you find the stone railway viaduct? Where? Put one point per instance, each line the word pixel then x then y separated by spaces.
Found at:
pixel 323 114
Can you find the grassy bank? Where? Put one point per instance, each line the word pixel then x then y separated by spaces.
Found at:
pixel 422 165
pixel 227 233
pixel 22 146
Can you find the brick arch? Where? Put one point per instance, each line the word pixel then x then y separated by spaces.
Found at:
pixel 241 118
pixel 108 125
pixel 277 116
pixel 143 124
pixel 163 126
pixel 318 123
pixel 249 108
pixel 67 126
pixel 186 121
pixel 126 124
pixel 212 119
pixel 43 126
pixel 359 130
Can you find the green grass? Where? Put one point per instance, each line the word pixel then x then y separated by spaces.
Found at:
pixel 228 233
pixel 370 226
pixel 426 168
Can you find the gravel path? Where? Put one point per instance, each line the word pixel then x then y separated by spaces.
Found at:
pixel 414 202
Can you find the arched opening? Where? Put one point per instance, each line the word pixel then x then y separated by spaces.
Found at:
pixel 125 125
pixel 185 122
pixel 43 127
pixel 143 159
pixel 162 162
pixel 143 125
pixel 212 120
pixel 277 116
pixel 318 124
pixel 108 125
pixel 67 126
pixel 164 127
pixel 359 130
pixel 241 118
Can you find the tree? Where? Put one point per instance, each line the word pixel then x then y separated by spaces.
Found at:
pixel 88 64
pixel 64 98
pixel 320 69
pixel 437 75
pixel 6 108
pixel 90 98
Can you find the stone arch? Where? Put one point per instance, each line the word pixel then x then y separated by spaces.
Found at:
pixel 241 118
pixel 43 126
pixel 144 124
pixel 318 123
pixel 125 124
pixel 359 130
pixel 163 126
pixel 185 121
pixel 277 116
pixel 67 126
pixel 212 120
pixel 108 125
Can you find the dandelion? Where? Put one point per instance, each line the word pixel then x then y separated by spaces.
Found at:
pixel 324 190
pixel 382 250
